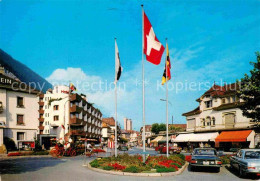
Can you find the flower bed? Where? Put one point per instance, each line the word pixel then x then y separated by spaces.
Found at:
pixel 27 153
pixel 134 163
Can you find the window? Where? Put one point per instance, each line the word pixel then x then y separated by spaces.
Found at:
pixel 191 123
pixel 208 121
pixel 233 98
pixel 20 136
pixel 56 107
pixel 56 118
pixel 202 122
pixel 223 101
pixel 213 120
pixel 20 102
pixel 20 119
pixel 208 104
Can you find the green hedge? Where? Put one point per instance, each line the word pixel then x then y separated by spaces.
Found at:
pixel 132 169
pixel 94 164
pixel 164 169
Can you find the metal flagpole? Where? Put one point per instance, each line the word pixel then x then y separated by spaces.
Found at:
pixel 143 84
pixel 115 103
pixel 167 125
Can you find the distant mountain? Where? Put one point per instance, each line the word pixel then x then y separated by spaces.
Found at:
pixel 22 72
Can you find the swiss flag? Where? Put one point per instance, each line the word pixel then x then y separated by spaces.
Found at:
pixel 153 49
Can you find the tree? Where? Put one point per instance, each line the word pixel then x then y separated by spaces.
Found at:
pixel 176 128
pixel 156 128
pixel 250 92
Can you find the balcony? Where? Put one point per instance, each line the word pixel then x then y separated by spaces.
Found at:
pixel 41 103
pixel 75 98
pixel 41 111
pixel 75 121
pixel 41 96
pixel 41 127
pixel 77 132
pixel 41 120
pixel 75 109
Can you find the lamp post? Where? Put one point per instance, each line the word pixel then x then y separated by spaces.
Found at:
pixel 167 129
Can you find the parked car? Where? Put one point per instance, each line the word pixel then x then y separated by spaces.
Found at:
pixel 246 161
pixel 159 148
pixel 123 148
pixel 205 157
pixel 172 150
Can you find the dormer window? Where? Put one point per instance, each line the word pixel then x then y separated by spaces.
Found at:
pixel 223 101
pixel 208 104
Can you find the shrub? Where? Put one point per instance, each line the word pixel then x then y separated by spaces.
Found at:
pixel 14 154
pixel 40 152
pixel 132 169
pixel 176 164
pixel 9 144
pixel 94 164
pixel 164 169
pixel 108 168
pixel 225 159
pixel 117 166
pixel 181 156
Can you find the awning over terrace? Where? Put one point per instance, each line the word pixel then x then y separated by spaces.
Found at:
pixel 198 137
pixel 233 136
pixel 157 139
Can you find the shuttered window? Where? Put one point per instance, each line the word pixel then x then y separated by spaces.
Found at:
pixel 20 119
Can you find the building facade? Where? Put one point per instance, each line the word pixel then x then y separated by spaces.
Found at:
pixel 18 112
pixel 128 124
pixel 218 111
pixel 64 114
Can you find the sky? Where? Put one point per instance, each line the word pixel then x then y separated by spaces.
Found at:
pixel 209 40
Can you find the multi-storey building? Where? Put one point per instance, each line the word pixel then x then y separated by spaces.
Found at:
pixel 218 113
pixel 128 124
pixel 18 112
pixel 63 114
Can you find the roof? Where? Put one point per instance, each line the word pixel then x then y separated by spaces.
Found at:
pixel 147 128
pixel 228 106
pixel 110 121
pixel 158 138
pixel 193 112
pixel 233 136
pixel 179 125
pixel 105 125
pixel 22 72
pixel 221 91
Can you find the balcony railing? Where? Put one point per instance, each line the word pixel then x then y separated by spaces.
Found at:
pixel 77 132
pixel 41 111
pixel 41 127
pixel 41 120
pixel 75 109
pixel 75 97
pixel 76 121
pixel 41 103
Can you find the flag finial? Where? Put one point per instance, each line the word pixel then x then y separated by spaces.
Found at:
pixel 142 5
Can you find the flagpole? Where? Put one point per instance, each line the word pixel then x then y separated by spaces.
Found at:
pixel 143 84
pixel 167 125
pixel 115 105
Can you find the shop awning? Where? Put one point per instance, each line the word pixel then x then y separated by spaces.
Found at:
pixel 233 136
pixel 163 140
pixel 158 138
pixel 199 137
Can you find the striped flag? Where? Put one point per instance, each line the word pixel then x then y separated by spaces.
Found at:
pixel 167 67
pixel 118 68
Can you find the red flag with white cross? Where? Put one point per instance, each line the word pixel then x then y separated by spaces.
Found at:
pixel 153 49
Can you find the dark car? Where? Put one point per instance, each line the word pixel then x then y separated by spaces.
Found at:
pixel 205 157
pixel 123 148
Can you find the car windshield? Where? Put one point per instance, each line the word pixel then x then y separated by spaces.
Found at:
pixel 252 155
pixel 204 152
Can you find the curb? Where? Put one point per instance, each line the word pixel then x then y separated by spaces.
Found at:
pixel 28 156
pixel 139 174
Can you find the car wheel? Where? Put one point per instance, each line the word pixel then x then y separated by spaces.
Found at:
pixel 191 168
pixel 241 173
pixel 218 170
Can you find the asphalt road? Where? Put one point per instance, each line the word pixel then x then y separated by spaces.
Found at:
pixel 47 168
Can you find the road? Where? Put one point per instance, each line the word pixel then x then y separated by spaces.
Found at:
pixel 47 168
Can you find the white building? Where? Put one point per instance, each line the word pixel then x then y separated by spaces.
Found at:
pixel 18 111
pixel 218 111
pixel 61 115
pixel 128 124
